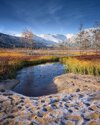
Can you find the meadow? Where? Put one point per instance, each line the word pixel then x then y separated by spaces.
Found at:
pixel 88 65
pixel 11 60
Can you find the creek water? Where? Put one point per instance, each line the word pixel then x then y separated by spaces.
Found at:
pixel 36 80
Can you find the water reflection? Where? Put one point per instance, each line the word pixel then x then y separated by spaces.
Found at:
pixel 36 80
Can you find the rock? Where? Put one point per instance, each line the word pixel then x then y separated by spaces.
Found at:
pixel 45 109
pixel 3 98
pixel 87 103
pixel 57 120
pixel 40 121
pixel 74 117
pixel 43 101
pixel 93 107
pixel 93 115
pixel 53 100
pixel 49 108
pixel 6 103
pixel 70 110
pixel 78 90
pixel 69 123
pixel 92 123
pixel 54 105
pixel 40 114
pixel 66 109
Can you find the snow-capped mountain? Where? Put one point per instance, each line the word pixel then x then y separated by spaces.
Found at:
pixel 87 34
pixel 53 38
pixel 41 40
pixel 49 40
pixel 38 40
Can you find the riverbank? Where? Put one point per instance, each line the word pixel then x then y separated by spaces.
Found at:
pixel 9 65
pixel 76 107
pixel 71 82
pixel 80 108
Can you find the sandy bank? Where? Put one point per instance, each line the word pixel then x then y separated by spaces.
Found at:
pixel 58 109
pixel 80 107
pixel 75 82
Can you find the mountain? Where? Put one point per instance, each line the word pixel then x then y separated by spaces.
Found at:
pixel 87 34
pixel 39 41
pixel 10 41
pixel 50 40
pixel 57 38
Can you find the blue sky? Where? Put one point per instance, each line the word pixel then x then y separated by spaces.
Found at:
pixel 47 16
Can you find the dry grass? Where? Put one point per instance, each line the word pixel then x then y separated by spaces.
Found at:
pixel 10 62
pixel 55 52
pixel 13 59
pixel 82 65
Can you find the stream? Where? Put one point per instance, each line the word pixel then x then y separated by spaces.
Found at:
pixel 36 80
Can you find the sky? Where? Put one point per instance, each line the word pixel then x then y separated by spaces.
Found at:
pixel 47 16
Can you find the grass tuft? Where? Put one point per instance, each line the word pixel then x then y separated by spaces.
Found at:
pixel 81 66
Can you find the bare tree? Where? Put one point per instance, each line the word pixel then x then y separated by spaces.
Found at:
pixel 96 42
pixel 81 32
pixel 28 37
pixel 85 44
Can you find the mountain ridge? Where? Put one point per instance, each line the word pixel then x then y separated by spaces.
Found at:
pixel 48 40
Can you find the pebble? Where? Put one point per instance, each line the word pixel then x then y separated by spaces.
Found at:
pixel 93 107
pixel 57 109
pixel 78 90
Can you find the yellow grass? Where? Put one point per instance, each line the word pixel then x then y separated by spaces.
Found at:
pixel 10 62
pixel 91 67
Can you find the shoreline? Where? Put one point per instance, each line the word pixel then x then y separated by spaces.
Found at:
pixel 67 108
pixel 8 84
pixel 71 82
pixel 26 63
pixel 68 83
